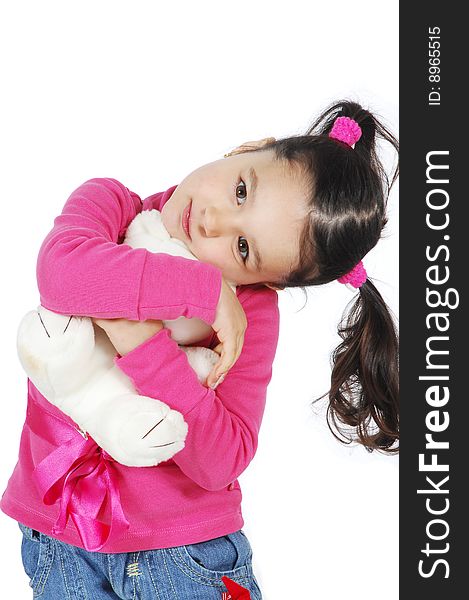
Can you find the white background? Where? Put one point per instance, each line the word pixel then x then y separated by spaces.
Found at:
pixel 146 92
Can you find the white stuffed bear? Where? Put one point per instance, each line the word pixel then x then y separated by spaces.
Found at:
pixel 71 362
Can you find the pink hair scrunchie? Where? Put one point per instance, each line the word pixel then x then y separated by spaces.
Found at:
pixel 346 130
pixel 356 277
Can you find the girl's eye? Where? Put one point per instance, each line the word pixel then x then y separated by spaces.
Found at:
pixel 242 242
pixel 241 193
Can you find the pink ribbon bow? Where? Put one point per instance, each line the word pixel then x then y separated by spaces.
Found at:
pixel 81 476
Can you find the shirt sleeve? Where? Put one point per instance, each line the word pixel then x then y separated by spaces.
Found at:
pixel 223 423
pixel 84 269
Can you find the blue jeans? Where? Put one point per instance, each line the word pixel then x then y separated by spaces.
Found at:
pixel 59 571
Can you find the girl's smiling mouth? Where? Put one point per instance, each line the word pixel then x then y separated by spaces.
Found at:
pixel 186 213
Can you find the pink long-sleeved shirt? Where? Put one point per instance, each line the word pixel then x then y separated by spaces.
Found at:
pixel 83 269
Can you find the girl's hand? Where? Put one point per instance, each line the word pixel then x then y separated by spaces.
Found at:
pixel 230 325
pixel 126 335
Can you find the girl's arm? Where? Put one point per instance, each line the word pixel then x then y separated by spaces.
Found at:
pixel 82 269
pixel 223 423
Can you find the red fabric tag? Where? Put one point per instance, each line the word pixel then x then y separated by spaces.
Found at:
pixel 236 591
pixel 226 596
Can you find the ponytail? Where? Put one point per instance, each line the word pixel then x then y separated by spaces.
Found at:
pixel 364 391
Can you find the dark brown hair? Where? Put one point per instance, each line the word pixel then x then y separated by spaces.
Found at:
pixel 348 190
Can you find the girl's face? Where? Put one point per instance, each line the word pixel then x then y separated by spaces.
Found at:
pixel 246 215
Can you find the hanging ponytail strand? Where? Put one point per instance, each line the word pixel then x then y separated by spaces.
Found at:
pixel 364 393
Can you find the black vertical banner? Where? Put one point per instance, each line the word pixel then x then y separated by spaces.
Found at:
pixel 434 330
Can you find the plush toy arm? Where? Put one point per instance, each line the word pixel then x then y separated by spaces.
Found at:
pixel 71 364
pixel 202 360
pixel 135 430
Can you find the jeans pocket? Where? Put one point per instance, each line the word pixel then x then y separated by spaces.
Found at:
pixel 37 554
pixel 229 555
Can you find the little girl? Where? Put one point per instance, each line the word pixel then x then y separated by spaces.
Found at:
pixel 272 214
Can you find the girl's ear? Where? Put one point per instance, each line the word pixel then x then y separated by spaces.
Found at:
pixel 249 146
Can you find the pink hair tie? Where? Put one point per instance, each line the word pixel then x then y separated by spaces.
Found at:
pixel 346 130
pixel 356 277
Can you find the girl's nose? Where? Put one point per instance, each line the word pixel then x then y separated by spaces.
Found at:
pixel 217 222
